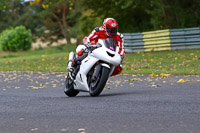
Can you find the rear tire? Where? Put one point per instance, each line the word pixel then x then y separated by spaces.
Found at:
pixel 97 86
pixel 69 88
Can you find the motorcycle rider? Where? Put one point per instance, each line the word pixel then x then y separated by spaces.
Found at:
pixel 109 29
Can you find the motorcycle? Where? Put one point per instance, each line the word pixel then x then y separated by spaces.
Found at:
pixel 92 73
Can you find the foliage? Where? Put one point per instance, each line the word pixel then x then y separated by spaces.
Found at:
pixel 139 16
pixel 15 39
pixel 77 18
pixel 45 18
pixel 10 11
pixel 174 14
pixel 54 15
pixel 130 15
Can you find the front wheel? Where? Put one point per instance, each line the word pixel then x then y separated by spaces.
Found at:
pixel 69 88
pixel 98 84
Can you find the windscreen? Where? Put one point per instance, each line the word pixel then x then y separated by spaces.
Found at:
pixel 110 43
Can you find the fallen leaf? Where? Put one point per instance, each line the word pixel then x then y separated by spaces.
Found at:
pixel 192 54
pixel 134 79
pixel 63 130
pixel 21 119
pixel 35 88
pixel 153 75
pixel 34 129
pixel 182 80
pixel 65 58
pixel 43 86
pixel 162 74
pixel 81 129
pixel 156 86
pixel 106 88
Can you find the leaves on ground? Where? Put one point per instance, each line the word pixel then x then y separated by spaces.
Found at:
pixel 134 79
pixel 182 80
pixel 63 130
pixel 156 86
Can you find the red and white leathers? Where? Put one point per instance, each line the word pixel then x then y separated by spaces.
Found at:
pixel 100 33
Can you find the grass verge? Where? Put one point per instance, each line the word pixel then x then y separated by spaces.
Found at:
pixel 180 62
pixel 54 59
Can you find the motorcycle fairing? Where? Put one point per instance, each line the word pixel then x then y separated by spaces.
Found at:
pixel 99 54
pixel 81 78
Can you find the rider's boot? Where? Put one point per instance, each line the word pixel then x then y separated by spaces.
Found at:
pixel 118 69
pixel 71 62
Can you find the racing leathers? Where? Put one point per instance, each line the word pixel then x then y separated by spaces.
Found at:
pixel 100 33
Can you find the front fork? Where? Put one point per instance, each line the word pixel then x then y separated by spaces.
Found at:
pixel 98 69
pixel 96 72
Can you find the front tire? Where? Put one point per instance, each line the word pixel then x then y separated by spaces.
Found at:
pixel 69 88
pixel 96 87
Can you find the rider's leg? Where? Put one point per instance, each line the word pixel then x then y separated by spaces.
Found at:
pixel 70 66
pixel 75 60
pixel 117 70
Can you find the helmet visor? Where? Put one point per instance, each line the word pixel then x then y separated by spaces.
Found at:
pixel 112 31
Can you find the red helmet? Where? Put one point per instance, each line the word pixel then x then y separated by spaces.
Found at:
pixel 110 24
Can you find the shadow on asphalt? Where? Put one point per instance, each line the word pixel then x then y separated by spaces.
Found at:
pixel 136 92
pixel 101 95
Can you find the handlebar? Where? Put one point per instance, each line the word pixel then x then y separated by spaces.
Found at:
pixel 91 47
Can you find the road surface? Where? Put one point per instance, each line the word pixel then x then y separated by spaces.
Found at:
pixel 35 103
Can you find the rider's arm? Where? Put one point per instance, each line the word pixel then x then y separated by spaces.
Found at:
pixel 121 46
pixel 93 36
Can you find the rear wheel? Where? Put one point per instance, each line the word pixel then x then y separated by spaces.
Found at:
pixel 97 85
pixel 69 88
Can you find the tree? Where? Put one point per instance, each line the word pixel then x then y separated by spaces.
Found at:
pixel 174 13
pixel 55 14
pixel 131 15
pixel 77 18
pixel 9 11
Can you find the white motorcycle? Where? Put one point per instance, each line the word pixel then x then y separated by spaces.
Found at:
pixel 92 73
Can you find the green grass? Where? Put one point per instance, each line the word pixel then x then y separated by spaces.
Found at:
pixel 180 62
pixel 54 59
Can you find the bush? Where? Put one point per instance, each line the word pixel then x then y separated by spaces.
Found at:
pixel 15 39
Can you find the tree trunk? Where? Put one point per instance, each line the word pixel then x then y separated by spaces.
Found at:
pixel 175 6
pixel 65 26
pixel 164 12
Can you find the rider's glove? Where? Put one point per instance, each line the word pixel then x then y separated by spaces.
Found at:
pixel 91 47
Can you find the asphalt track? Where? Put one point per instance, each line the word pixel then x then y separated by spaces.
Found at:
pixel 35 103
